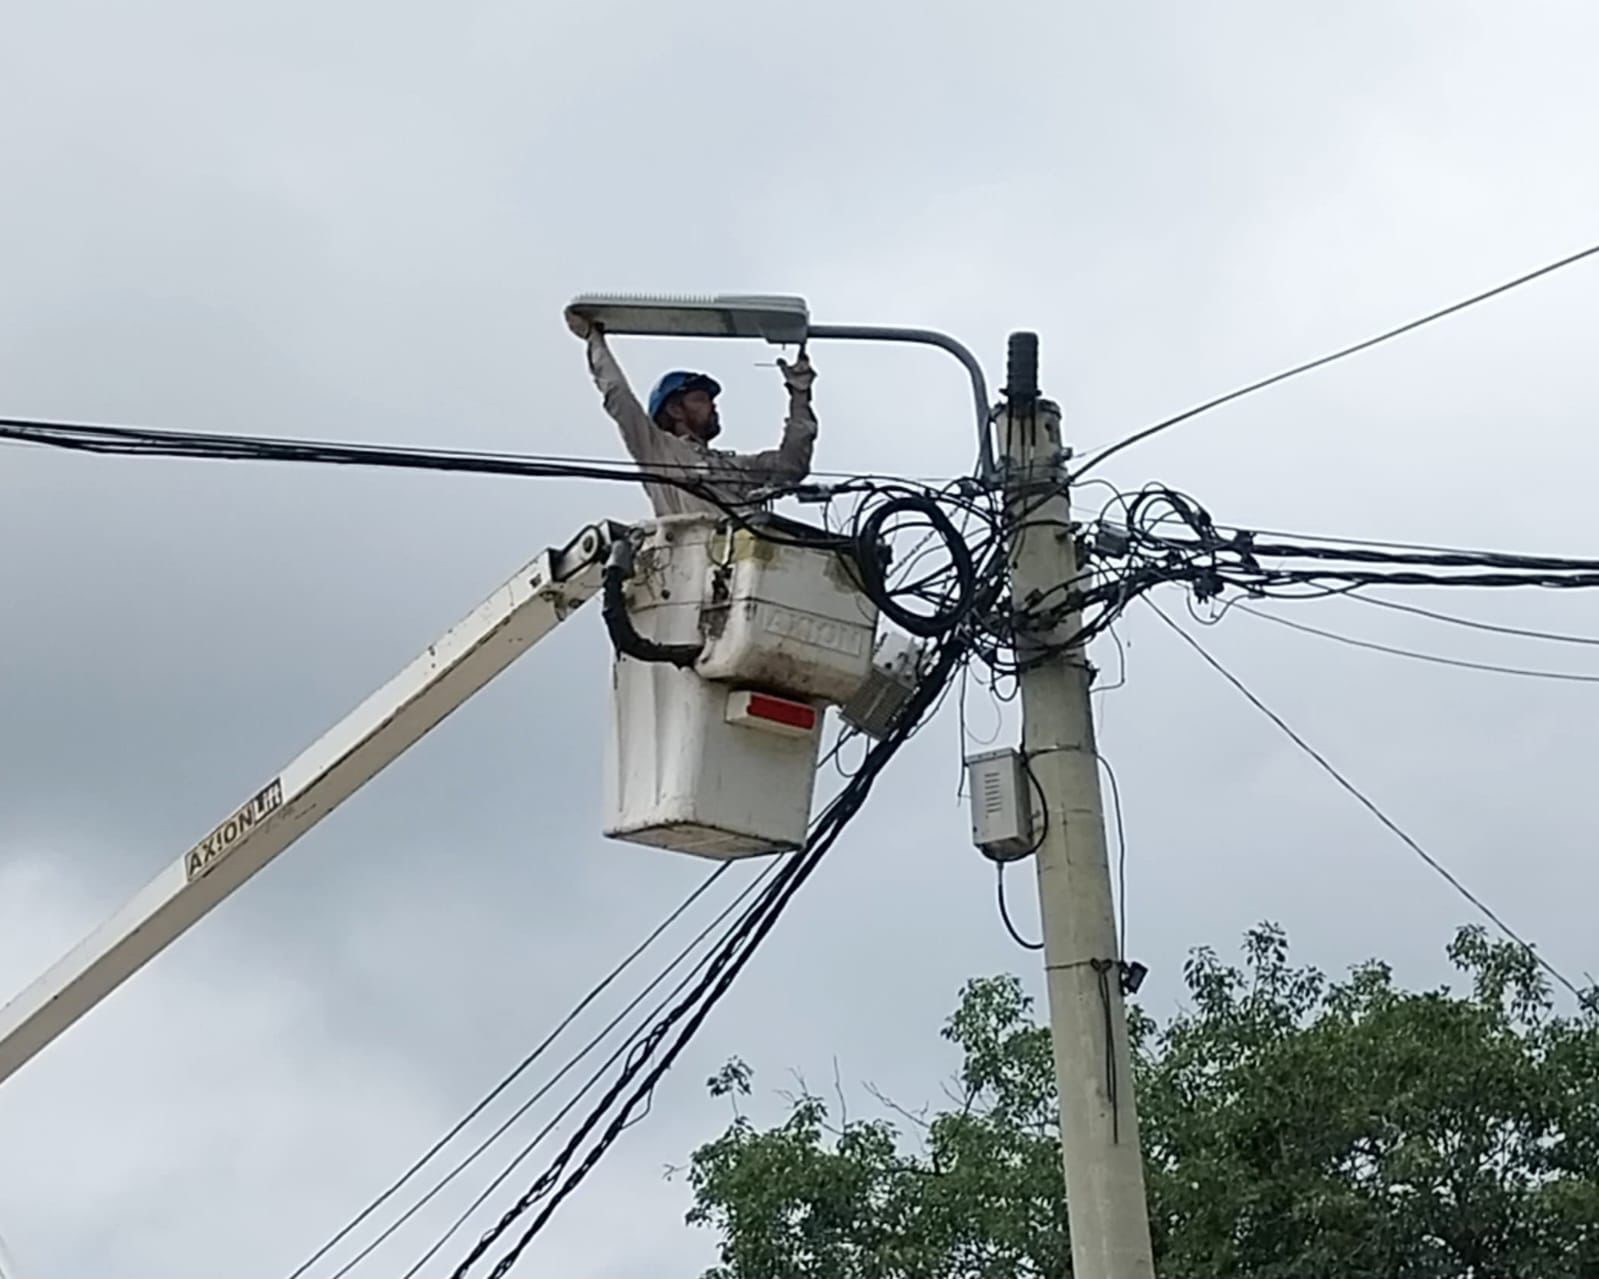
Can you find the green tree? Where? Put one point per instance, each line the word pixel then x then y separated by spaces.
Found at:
pixel 1293 1126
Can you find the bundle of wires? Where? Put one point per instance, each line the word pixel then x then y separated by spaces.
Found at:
pixel 132 441
pixel 1165 536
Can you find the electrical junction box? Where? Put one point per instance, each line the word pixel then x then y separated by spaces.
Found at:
pixel 720 760
pixel 1000 793
pixel 896 664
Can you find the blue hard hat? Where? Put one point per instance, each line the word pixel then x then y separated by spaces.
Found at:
pixel 677 381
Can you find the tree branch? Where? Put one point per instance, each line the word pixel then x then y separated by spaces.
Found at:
pixel 877 1094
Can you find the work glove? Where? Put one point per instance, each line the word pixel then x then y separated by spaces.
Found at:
pixel 581 325
pixel 799 375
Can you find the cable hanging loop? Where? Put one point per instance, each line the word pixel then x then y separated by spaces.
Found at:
pixel 619 625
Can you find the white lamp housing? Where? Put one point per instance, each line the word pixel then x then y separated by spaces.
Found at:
pixel 780 320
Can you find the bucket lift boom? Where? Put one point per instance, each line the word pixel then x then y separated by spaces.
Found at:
pixel 515 617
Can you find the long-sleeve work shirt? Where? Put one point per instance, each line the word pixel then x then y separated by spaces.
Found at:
pixel 730 476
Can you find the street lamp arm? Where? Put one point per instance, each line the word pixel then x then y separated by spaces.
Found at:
pixel 927 337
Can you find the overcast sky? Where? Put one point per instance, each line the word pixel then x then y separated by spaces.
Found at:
pixel 362 220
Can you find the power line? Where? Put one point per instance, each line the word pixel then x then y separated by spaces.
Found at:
pixel 1121 853
pixel 1429 559
pixel 1377 543
pixel 1370 806
pixel 212 446
pixel 1241 546
pixel 1435 658
pixel 511 1077
pixel 1207 538
pixel 1148 431
pixel 143 441
pixel 593 1080
pixel 1211 560
pixel 1474 623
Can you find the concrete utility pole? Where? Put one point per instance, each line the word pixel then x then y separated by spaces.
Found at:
pixel 1098 1118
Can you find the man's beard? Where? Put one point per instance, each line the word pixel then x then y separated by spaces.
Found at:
pixel 710 430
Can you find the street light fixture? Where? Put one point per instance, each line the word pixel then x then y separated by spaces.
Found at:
pixel 782 321
pixel 779 319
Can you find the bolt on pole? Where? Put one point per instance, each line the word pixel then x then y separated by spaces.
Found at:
pixel 1105 1200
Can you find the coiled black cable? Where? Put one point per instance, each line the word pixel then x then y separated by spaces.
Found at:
pixel 613 608
pixel 873 562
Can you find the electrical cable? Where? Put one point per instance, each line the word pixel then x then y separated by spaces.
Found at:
pixel 1370 806
pixel 1121 664
pixel 1427 559
pixel 625 637
pixel 144 442
pixel 1475 624
pixel 19 425
pixel 593 1080
pixel 1435 658
pixel 1211 561
pixel 516 1072
pixel 1121 855
pixel 210 446
pixel 1102 969
pixel 868 539
pixel 1004 910
pixel 1378 543
pixel 1138 436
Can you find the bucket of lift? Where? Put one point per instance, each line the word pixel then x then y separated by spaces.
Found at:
pixel 748 632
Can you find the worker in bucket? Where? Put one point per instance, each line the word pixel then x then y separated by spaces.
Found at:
pixel 673 436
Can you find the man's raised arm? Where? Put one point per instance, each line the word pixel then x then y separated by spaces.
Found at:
pixel 790 461
pixel 638 432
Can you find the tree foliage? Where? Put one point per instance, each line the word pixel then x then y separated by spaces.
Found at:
pixel 1293 1126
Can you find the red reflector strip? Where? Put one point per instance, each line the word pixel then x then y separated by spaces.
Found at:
pixel 782 711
